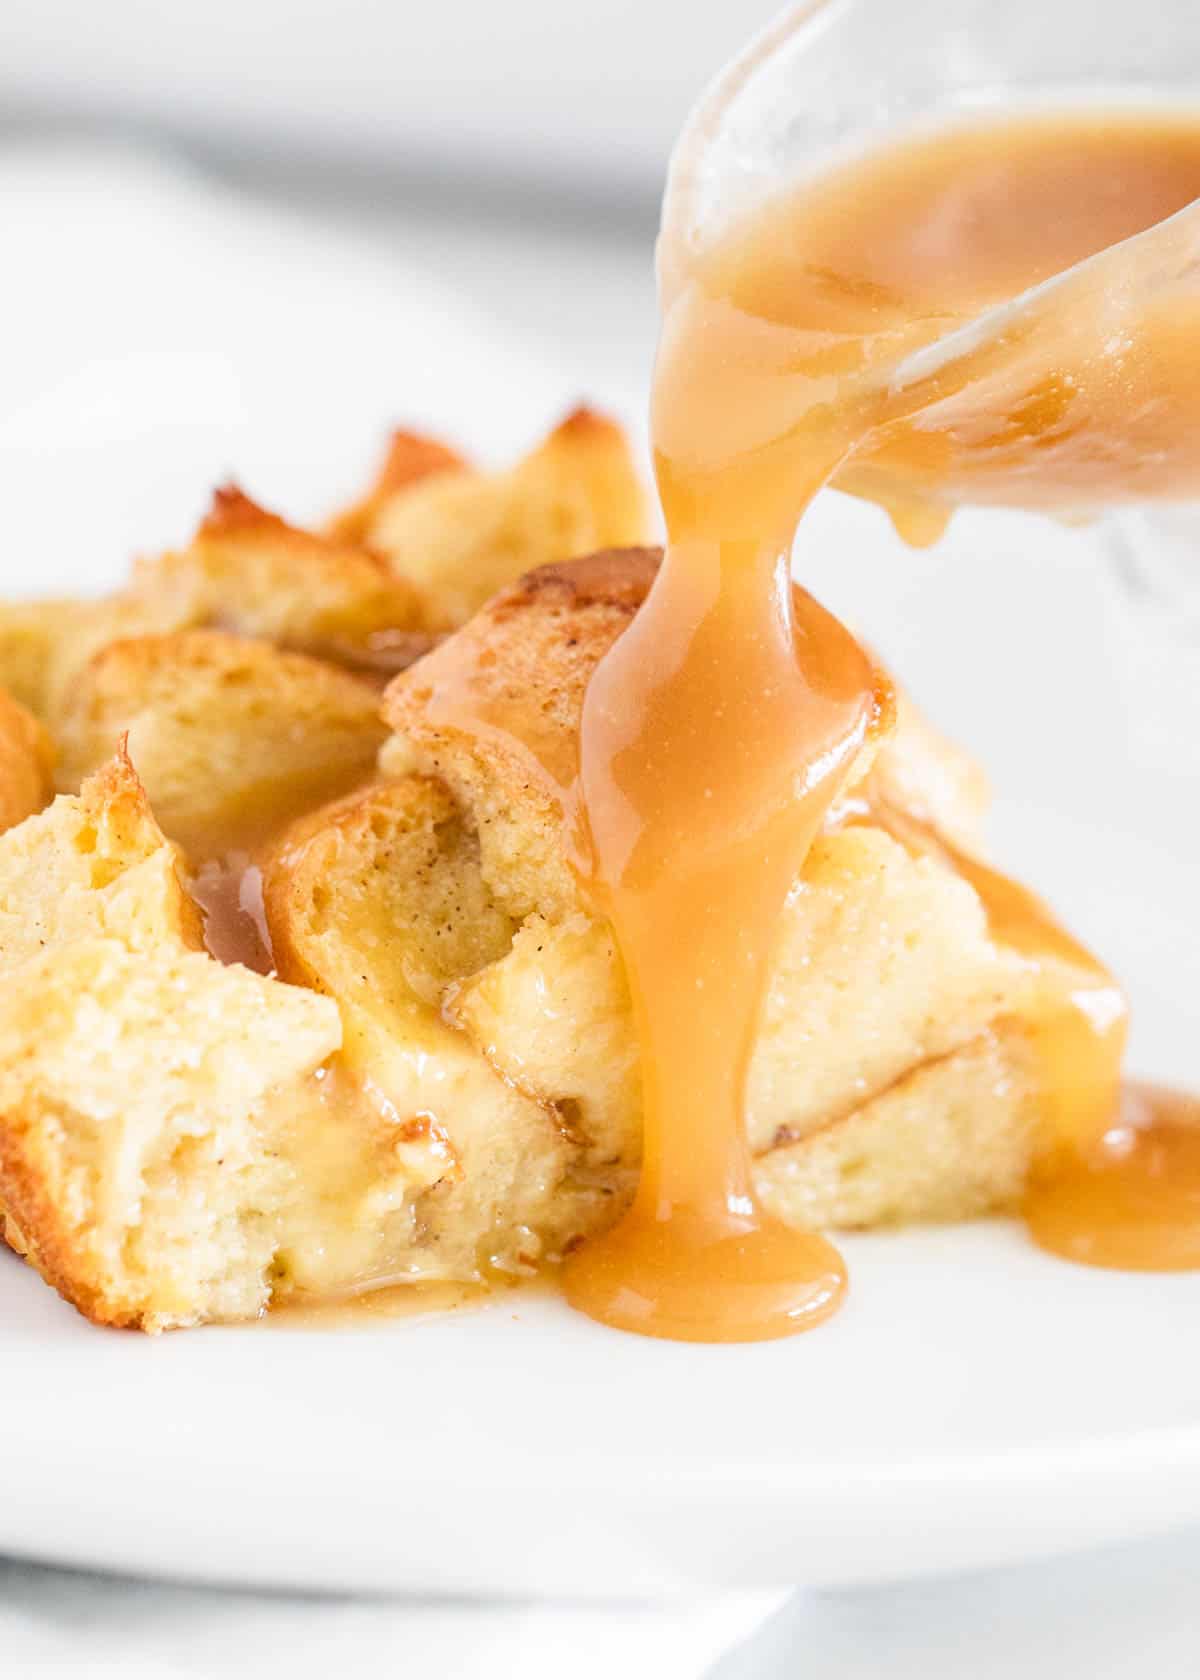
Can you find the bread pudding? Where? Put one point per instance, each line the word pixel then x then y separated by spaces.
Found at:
pixel 305 994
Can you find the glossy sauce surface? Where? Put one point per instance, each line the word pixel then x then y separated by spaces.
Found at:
pixel 1130 1199
pixel 836 335
pixel 371 1307
pixel 229 891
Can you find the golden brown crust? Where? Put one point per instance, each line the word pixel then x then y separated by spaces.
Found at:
pixel 33 1197
pixel 134 1088
pixel 380 902
pixel 527 656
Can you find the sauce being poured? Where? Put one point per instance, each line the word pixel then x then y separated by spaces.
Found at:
pixel 870 328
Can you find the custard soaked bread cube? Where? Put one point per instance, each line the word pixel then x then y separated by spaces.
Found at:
pixel 26 763
pixel 380 901
pixel 893 1077
pixel 119 1046
pixel 138 1152
pixel 179 1140
pixel 231 737
pixel 458 535
pixel 177 1146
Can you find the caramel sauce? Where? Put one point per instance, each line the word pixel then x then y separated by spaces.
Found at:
pixel 412 1302
pixel 872 328
pixel 1130 1199
pixel 229 891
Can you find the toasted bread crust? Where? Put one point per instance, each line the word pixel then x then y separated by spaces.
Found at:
pixel 522 665
pixel 380 902
pixel 127 1081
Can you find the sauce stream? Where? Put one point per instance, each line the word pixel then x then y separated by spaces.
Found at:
pixel 835 336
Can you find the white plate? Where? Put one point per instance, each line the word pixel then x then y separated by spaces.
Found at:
pixel 976 1402
pixel 491 93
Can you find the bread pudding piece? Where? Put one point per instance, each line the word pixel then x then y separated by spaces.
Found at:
pixel 894 1078
pixel 380 901
pixel 232 737
pixel 26 763
pixel 459 535
pixel 137 1147
pixel 178 1139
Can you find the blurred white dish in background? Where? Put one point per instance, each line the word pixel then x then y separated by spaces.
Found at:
pixel 158 336
pixel 588 101
pixel 976 1402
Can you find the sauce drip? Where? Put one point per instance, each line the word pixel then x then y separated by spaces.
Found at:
pixel 1130 1199
pixel 842 334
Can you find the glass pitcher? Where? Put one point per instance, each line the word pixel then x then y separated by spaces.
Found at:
pixel 833 78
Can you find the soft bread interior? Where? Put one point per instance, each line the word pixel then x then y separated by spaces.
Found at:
pixel 381 902
pixel 135 1156
pixel 178 1138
